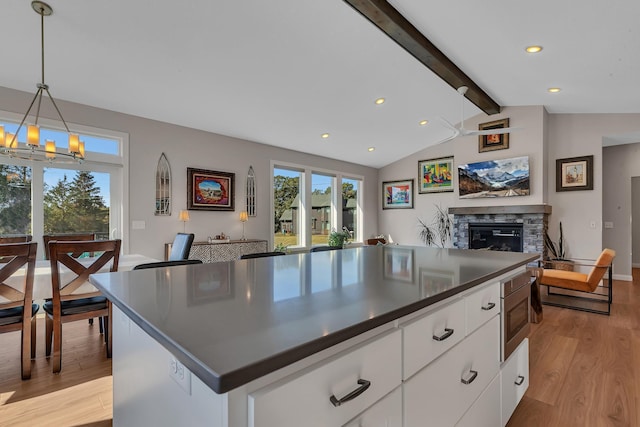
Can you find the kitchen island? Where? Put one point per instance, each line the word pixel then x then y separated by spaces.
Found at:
pixel 297 339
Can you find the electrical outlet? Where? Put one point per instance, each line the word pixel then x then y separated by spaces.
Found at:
pixel 180 374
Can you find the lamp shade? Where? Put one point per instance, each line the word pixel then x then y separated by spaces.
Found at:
pixel 244 217
pixel 33 135
pixel 184 215
pixel 74 143
pixel 50 149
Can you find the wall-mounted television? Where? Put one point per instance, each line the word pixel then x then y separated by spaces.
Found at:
pixel 495 178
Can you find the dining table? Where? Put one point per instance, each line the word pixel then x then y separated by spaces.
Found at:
pixel 42 275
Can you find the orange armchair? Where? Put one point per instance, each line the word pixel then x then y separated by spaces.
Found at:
pixel 581 282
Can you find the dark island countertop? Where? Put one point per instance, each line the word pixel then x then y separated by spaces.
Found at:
pixel 233 322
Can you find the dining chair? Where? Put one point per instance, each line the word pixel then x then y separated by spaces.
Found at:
pixel 15 239
pixel 78 237
pixel 261 255
pixel 69 303
pixel 16 301
pixel 160 264
pixel 181 246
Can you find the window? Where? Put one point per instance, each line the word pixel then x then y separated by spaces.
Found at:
pixel 44 198
pixel 307 205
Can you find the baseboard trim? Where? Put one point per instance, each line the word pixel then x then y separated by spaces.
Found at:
pixel 623 277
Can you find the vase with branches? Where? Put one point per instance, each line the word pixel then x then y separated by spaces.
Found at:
pixel 438 232
pixel 557 254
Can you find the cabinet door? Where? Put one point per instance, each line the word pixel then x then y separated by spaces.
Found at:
pixel 485 411
pixel 331 393
pixel 515 379
pixel 443 391
pixel 428 337
pixel 386 413
pixel 481 306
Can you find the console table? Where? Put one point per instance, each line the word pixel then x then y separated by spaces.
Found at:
pixel 221 251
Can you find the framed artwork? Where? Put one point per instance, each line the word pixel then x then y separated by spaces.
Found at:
pixel 397 194
pixel 495 178
pixel 435 175
pixel 398 264
pixel 433 282
pixel 574 173
pixel 494 141
pixel 210 190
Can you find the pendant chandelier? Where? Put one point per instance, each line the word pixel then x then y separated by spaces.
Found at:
pixel 32 149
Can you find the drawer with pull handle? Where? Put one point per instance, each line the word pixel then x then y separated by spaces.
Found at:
pixel 430 336
pixel 481 306
pixel 443 391
pixel 332 392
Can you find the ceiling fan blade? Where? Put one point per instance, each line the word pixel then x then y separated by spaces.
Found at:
pixel 491 131
pixel 448 124
pixel 442 141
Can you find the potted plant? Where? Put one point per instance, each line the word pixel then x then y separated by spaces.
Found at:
pixel 439 231
pixel 556 252
pixel 339 239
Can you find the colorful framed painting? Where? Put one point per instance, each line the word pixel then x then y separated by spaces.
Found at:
pixel 397 194
pixel 435 175
pixel 574 173
pixel 492 142
pixel 210 190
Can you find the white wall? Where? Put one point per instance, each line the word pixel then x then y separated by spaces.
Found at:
pixel 635 222
pixel 185 147
pixel 573 135
pixel 529 140
pixel 621 163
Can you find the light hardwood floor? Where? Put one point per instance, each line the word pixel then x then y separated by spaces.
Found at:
pixel 585 371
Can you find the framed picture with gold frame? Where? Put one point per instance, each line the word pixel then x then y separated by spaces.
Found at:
pixel 574 173
pixel 492 142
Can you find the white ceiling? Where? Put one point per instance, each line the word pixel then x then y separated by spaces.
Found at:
pixel 282 72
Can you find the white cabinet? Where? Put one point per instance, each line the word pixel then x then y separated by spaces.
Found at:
pixel 482 305
pixel 485 412
pixel 320 396
pixel 514 379
pixel 441 393
pixel 428 337
pixel 386 413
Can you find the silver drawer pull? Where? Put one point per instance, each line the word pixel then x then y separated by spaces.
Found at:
pixel 519 380
pixel 469 377
pixel 488 306
pixel 447 333
pixel 364 385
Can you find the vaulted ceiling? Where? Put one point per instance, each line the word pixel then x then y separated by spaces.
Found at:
pixel 283 72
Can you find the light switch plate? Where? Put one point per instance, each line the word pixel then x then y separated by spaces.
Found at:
pixel 138 225
pixel 608 224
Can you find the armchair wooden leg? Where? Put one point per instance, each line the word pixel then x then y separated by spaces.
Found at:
pixel 57 346
pixel 33 337
pixel 48 335
pixel 25 351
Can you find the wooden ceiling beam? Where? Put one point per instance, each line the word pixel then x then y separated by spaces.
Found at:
pixel 396 26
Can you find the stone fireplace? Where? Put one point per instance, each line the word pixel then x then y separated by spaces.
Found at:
pixel 534 220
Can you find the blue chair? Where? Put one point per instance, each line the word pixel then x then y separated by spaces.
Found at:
pixel 181 246
pixel 12 312
pixel 261 255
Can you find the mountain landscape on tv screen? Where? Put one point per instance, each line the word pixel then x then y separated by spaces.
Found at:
pixel 495 178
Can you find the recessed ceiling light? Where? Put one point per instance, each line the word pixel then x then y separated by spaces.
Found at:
pixel 371 148
pixel 325 135
pixel 380 101
pixel 423 122
pixel 533 49
pixel 554 90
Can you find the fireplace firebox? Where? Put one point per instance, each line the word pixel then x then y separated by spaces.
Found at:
pixel 496 236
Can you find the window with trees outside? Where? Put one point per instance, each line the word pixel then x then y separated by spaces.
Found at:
pixel 40 198
pixel 307 206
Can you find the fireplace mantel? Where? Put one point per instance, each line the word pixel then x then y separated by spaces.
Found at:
pixel 497 210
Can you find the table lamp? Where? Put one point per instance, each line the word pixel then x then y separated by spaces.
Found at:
pixel 184 217
pixel 244 217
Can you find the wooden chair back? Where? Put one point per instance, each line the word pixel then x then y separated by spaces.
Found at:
pixel 16 256
pixel 62 253
pixel 15 239
pixel 81 237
